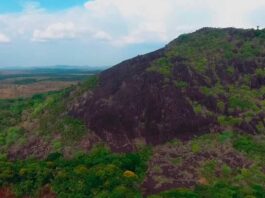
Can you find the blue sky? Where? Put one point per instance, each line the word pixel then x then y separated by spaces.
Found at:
pixel 51 5
pixel 105 32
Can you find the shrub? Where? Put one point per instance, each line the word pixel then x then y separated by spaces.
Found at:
pixel 181 84
pixel 72 129
pixel 248 50
pixel 208 170
pixel 178 193
pixel 81 170
pixel 229 121
pixel 57 145
pixel 201 65
pixel 54 156
pixel 260 72
pixel 241 103
pixel 129 174
pixel 91 83
pixel 230 70
pixel 225 136
pixel 196 148
pixel 217 90
pixel 218 190
pixel 248 145
pixel 13 134
pixel 162 66
pixel 221 106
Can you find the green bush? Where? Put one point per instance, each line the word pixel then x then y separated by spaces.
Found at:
pixel 241 103
pixel 91 83
pixel 248 50
pixel 162 66
pixel 219 190
pixel 230 70
pixel 178 193
pixel 225 136
pixel 221 106
pixel 13 134
pixel 249 145
pixel 201 65
pixel 195 148
pixel 181 84
pixel 229 121
pixel 260 72
pixel 215 91
pixel 72 129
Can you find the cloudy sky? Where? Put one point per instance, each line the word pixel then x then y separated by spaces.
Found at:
pixel 105 32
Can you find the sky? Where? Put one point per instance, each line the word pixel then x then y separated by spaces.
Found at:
pixel 105 32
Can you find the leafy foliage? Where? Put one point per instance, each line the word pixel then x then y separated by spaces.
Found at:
pixel 162 66
pixel 98 174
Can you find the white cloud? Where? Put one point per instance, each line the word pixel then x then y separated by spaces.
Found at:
pixel 234 13
pixel 156 20
pixel 4 38
pixel 126 22
pixel 56 31
pixel 122 26
pixel 145 20
pixel 101 35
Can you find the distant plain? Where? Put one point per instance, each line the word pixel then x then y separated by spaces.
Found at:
pixel 15 83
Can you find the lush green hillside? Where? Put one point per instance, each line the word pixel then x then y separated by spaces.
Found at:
pixel 185 121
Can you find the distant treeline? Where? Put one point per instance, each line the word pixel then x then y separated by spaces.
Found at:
pixel 31 76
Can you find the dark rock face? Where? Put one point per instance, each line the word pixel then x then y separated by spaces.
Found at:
pixel 131 102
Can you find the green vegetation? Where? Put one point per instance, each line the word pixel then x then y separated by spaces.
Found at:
pixel 98 174
pixel 249 50
pixel 11 110
pixel 250 146
pixel 48 110
pixel 242 98
pixel 230 70
pixel 33 75
pixel 90 83
pixel 51 114
pixel 221 106
pixel 233 168
pixel 213 91
pixel 200 109
pixel 181 84
pixel 162 66
pixel 260 72
pixel 229 121
pixel 25 81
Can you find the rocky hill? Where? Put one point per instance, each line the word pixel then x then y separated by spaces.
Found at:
pixel 193 113
pixel 207 81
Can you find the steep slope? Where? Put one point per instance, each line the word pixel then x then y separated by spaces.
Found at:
pixel 207 81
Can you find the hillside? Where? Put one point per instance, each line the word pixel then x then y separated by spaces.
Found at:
pixel 208 81
pixel 187 120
